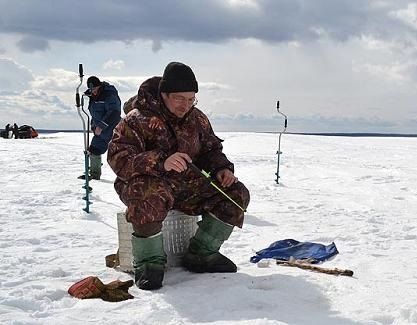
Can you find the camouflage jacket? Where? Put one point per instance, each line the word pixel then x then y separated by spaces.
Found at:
pixel 150 133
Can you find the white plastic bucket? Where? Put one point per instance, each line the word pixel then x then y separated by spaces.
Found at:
pixel 177 229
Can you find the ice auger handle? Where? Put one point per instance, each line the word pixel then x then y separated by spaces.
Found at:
pixel 80 70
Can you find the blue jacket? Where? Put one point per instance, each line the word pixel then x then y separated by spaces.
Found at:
pixel 105 113
pixel 105 109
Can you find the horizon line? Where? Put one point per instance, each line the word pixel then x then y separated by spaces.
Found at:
pixel 351 134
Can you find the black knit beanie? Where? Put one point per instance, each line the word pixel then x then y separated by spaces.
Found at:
pixel 94 81
pixel 178 77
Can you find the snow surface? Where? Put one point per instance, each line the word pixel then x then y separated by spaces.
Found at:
pixel 360 193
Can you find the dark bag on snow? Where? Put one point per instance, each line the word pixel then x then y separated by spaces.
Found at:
pixel 291 248
pixel 27 132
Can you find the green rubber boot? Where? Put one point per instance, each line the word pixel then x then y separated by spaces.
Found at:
pixel 95 166
pixel 203 252
pixel 149 261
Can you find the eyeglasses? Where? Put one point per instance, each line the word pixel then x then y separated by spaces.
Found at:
pixel 183 100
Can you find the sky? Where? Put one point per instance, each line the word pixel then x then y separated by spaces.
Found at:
pixel 331 189
pixel 335 66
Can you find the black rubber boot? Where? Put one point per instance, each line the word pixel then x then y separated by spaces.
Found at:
pixel 149 261
pixel 150 277
pixel 91 177
pixel 203 252
pixel 214 263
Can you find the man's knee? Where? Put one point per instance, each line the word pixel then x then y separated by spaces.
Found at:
pixel 229 212
pixel 245 195
pixel 147 229
pixel 95 150
pixel 148 201
pixel 98 145
pixel 241 193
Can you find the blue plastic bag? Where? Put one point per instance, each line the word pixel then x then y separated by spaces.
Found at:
pixel 286 248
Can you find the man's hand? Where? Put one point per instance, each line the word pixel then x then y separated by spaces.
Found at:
pixel 156 123
pixel 226 177
pixel 97 130
pixel 177 161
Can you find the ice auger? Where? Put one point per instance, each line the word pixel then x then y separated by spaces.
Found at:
pixel 86 133
pixel 279 142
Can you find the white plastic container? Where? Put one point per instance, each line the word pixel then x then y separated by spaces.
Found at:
pixel 177 229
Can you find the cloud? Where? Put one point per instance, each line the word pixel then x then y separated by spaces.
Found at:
pixel 129 84
pixel 399 72
pixel 392 61
pixel 14 77
pixel 225 101
pixel 412 124
pixel 407 15
pixel 213 86
pixel 47 101
pixel 156 45
pixel 209 21
pixel 310 124
pixel 114 64
pixel 56 80
pixel 37 108
pixel 61 80
pixel 43 101
pixel 32 44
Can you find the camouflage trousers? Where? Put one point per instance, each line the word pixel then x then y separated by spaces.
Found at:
pixel 149 198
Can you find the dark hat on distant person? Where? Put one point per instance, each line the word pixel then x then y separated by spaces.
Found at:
pixel 93 81
pixel 178 77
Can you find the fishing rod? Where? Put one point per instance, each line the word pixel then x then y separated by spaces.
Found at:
pixel 207 175
pixel 79 102
pixel 279 152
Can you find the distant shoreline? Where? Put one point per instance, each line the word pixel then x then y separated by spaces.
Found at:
pixel 361 134
pixel 332 134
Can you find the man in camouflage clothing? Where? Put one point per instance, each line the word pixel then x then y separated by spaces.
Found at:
pixel 150 153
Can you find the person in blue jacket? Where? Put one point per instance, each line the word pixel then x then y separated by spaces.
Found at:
pixel 105 109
